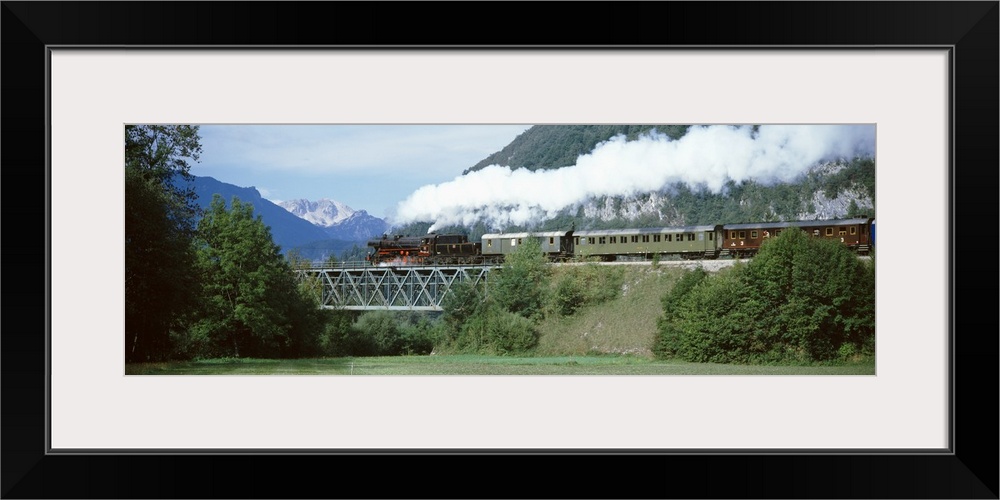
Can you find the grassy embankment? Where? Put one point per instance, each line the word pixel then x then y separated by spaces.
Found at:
pixel 624 324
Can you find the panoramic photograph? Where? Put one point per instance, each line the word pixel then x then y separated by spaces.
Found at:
pixel 655 249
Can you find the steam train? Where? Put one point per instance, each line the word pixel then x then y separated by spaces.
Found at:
pixel 686 242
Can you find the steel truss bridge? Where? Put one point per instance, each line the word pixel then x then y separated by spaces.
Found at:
pixel 399 288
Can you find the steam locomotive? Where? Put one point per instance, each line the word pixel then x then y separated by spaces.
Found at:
pixel 686 242
pixel 430 249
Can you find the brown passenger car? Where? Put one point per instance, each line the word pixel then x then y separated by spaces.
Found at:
pixel 744 240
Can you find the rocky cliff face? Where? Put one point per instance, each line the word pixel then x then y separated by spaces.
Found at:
pixel 809 203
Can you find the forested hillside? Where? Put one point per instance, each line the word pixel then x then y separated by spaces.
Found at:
pixel 552 146
pixel 832 189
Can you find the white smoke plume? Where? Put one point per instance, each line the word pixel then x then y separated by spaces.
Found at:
pixel 706 156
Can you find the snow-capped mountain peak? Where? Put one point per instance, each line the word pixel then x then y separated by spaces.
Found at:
pixel 324 212
pixel 339 221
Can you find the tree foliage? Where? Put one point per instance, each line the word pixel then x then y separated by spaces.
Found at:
pixel 251 305
pixel 160 214
pixel 463 301
pixel 584 285
pixel 495 331
pixel 521 285
pixel 668 325
pixel 800 300
pixel 498 319
pixel 386 333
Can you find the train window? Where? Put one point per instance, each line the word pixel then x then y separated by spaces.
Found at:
pixel 669 237
pixel 552 241
pixel 841 231
pixel 590 240
pixel 777 232
pixel 732 235
pixel 489 243
pixel 645 238
pixel 753 235
pixel 519 241
pixel 691 237
pixel 829 231
pixel 701 236
pixel 513 242
pixel 576 240
pixel 854 230
pixel 656 238
pixel 743 235
pixel 614 240
pixel 711 236
pixel 603 240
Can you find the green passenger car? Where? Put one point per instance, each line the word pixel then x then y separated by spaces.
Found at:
pixel 691 242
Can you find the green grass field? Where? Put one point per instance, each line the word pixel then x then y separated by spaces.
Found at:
pixel 480 365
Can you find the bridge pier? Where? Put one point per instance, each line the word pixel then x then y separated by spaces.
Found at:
pixel 398 288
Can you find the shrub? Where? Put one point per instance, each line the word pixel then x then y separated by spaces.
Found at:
pixel 668 325
pixel 800 300
pixel 520 285
pixel 463 301
pixel 497 332
pixel 383 330
pixel 568 296
pixel 586 285
pixel 340 338
pixel 417 335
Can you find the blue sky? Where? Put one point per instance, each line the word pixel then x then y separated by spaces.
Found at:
pixel 367 167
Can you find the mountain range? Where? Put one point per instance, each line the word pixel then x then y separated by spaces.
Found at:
pixel 316 230
pixel 338 220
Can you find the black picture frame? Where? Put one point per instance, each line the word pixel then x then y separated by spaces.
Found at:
pixel 969 28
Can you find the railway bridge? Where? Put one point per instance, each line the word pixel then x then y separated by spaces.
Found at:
pixel 363 287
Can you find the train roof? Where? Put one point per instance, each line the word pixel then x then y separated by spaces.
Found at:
pixel 686 229
pixel 798 223
pixel 646 230
pixel 524 235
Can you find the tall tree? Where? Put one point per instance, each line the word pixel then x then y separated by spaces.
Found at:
pixel 520 285
pixel 160 213
pixel 251 304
